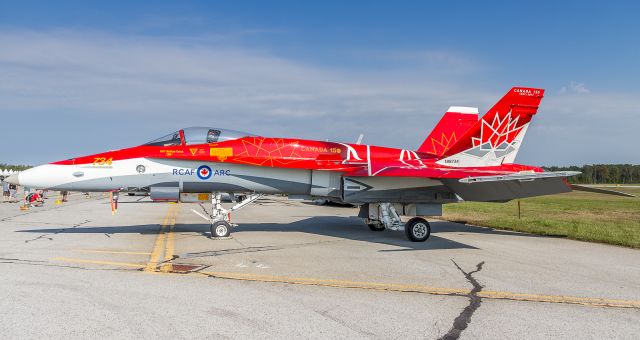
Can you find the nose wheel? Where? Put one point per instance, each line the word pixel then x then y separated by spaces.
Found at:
pixel 220 229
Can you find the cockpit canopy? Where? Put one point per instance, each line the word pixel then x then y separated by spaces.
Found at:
pixel 197 135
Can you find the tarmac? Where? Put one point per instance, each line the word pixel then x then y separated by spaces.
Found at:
pixel 296 269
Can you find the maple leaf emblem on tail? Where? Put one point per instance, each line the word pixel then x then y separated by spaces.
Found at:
pixel 498 134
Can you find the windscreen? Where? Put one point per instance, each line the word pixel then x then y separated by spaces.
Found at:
pixel 171 139
pixel 204 135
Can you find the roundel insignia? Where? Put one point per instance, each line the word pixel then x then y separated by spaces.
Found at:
pixel 204 172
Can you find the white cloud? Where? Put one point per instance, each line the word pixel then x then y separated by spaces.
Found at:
pixel 574 87
pixel 437 62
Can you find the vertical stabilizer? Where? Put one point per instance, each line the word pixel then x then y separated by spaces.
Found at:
pixel 455 122
pixel 497 136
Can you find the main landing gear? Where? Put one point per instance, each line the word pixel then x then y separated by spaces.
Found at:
pixel 383 216
pixel 417 229
pixel 220 218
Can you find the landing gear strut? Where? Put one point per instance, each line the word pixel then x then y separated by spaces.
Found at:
pixel 381 216
pixel 220 218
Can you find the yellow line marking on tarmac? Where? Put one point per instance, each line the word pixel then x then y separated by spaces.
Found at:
pixel 593 302
pixel 167 266
pixel 575 300
pixel 110 263
pixel 152 264
pixel 338 283
pixel 112 252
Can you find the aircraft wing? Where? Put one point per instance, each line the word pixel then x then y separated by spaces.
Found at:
pixel 528 176
pixel 510 186
pixel 492 184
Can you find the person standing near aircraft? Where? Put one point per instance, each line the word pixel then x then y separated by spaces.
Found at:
pixel 12 193
pixel 5 191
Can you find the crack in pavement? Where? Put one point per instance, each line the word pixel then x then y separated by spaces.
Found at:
pixel 61 230
pixel 327 315
pixel 15 261
pixel 204 209
pixel 231 251
pixel 464 318
pixel 244 250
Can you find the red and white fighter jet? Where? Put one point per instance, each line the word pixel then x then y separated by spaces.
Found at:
pixel 464 158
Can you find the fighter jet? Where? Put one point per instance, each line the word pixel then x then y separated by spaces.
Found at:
pixel 464 158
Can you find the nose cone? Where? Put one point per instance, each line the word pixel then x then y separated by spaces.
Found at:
pixel 13 179
pixel 47 176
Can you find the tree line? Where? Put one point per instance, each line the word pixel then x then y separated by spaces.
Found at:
pixel 602 173
pixel 4 166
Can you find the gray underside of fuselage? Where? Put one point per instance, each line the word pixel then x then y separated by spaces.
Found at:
pixel 245 183
pixel 439 194
pixel 227 178
pixel 395 189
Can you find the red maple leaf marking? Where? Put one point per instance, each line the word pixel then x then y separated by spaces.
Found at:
pixel 268 151
pixel 441 146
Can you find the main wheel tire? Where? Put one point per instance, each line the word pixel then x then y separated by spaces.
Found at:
pixel 417 229
pixel 376 227
pixel 220 229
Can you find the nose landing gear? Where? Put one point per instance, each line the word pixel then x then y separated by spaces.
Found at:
pixel 220 218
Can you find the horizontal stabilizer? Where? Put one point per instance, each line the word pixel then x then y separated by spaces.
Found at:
pixel 600 191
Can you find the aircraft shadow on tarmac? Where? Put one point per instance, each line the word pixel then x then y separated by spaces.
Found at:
pixel 340 227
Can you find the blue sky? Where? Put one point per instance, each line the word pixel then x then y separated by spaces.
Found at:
pixel 97 76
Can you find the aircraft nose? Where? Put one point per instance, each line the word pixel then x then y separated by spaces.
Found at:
pixel 13 179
